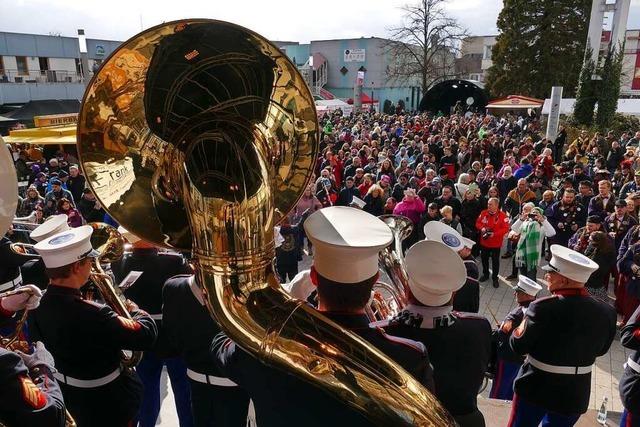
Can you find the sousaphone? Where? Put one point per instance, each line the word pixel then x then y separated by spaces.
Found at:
pixel 191 135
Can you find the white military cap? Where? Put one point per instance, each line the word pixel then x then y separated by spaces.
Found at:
pixel 527 286
pixel 440 232
pixel 570 264
pixel 54 225
pixel 66 247
pixel 129 236
pixel 435 272
pixel 346 243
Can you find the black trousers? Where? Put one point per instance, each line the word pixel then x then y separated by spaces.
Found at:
pixel 113 405
pixel 287 271
pixel 218 406
pixel 494 254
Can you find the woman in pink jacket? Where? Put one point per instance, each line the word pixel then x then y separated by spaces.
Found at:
pixel 412 207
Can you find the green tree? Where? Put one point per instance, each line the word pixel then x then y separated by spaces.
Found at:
pixel 539 45
pixel 609 90
pixel 586 95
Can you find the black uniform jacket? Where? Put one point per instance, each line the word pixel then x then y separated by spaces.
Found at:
pixel 630 382
pixel 147 290
pixel 28 400
pixel 459 346
pixel 85 340
pixel 503 333
pixel 281 399
pixel 569 328
pixel 188 326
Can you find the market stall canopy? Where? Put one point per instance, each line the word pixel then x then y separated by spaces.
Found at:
pixel 629 107
pixel 333 104
pixel 515 102
pixel 44 135
pixel 28 111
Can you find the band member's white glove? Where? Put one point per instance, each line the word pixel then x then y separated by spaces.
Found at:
pixel 39 357
pixel 24 300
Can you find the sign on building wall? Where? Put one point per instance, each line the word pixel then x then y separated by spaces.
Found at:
pixel 99 50
pixel 354 55
pixel 55 119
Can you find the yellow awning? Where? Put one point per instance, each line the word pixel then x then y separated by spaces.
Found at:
pixel 44 135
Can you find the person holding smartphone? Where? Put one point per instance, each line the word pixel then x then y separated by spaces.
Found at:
pixel 533 228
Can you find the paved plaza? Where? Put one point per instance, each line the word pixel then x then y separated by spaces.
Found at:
pixel 498 301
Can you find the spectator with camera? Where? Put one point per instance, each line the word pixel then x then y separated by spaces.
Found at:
pixel 493 225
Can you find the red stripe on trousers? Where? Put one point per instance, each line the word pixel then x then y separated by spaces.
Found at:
pixel 514 407
pixel 498 379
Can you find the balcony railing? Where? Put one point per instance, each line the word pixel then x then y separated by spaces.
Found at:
pixel 39 76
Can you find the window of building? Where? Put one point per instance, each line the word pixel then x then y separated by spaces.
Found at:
pixel 23 69
pixel 44 63
pixel 1 66
pixel 487 52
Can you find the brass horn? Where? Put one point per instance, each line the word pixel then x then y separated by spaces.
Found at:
pixel 109 242
pixel 391 261
pixel 191 134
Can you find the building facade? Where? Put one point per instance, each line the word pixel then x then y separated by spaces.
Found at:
pixel 331 68
pixel 475 57
pixel 37 67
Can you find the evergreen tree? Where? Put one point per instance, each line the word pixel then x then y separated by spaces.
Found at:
pixel 609 90
pixel 586 95
pixel 539 45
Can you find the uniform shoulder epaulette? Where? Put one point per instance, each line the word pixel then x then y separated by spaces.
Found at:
pixel 414 345
pixel 465 315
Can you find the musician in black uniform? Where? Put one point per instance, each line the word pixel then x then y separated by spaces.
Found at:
pixel 34 270
pixel 507 362
pixel 467 298
pixel 561 335
pixel 189 329
pixel 630 382
pixel 154 268
pixel 459 344
pixel 86 338
pixel 345 267
pixel 29 394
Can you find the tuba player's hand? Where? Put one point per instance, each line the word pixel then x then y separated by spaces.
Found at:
pixel 131 306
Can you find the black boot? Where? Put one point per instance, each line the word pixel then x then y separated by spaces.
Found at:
pixel 495 283
pixel 484 278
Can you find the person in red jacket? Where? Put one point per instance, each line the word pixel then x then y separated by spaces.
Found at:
pixel 492 225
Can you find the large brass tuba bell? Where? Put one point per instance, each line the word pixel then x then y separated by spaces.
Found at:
pixel 191 134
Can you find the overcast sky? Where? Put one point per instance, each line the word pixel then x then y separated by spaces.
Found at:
pixel 296 20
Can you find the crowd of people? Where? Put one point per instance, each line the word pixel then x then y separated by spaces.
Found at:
pixel 487 187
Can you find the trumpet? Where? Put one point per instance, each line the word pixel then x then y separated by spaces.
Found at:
pixel 12 342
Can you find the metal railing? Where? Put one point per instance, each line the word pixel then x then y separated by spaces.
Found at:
pixel 39 76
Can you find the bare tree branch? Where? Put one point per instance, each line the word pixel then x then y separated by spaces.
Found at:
pixel 422 49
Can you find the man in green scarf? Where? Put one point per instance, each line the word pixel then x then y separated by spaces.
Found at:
pixel 532 227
